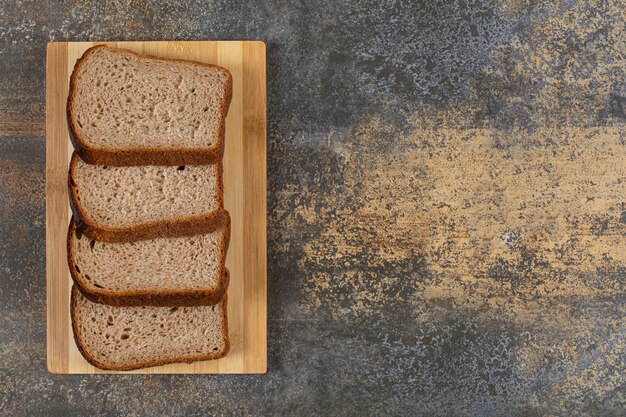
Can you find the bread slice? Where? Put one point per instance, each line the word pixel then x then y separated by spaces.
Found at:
pixel 124 204
pixel 125 338
pixel 129 109
pixel 182 271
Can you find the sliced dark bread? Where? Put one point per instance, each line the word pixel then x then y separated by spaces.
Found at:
pixel 177 271
pixel 126 338
pixel 124 204
pixel 129 109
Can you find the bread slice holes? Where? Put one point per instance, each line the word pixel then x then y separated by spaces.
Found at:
pixel 92 244
pixel 124 336
pixel 173 309
pixel 98 285
pixel 77 268
pixel 181 168
pixel 110 320
pixel 87 277
pixel 205 109
pixel 214 349
pixel 127 329
pixel 79 123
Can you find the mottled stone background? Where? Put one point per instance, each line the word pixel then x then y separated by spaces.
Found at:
pixel 447 208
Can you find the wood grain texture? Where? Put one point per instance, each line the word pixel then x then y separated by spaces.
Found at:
pixel 245 199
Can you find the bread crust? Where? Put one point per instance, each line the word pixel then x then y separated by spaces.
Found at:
pixel 146 155
pixel 146 364
pixel 157 298
pixel 181 226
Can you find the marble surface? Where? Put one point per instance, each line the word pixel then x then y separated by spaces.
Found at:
pixel 446 213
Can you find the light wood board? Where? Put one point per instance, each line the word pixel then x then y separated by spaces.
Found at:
pixel 245 199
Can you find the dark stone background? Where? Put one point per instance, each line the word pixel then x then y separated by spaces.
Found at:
pixel 446 202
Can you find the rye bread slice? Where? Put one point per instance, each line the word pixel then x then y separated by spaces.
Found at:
pixel 181 271
pixel 129 109
pixel 126 338
pixel 125 204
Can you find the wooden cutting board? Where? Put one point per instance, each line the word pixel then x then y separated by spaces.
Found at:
pixel 244 188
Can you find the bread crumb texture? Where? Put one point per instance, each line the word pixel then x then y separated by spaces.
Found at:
pixel 162 264
pixel 123 100
pixel 127 196
pixel 121 337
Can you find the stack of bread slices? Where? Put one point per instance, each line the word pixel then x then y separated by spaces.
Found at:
pixel 149 234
